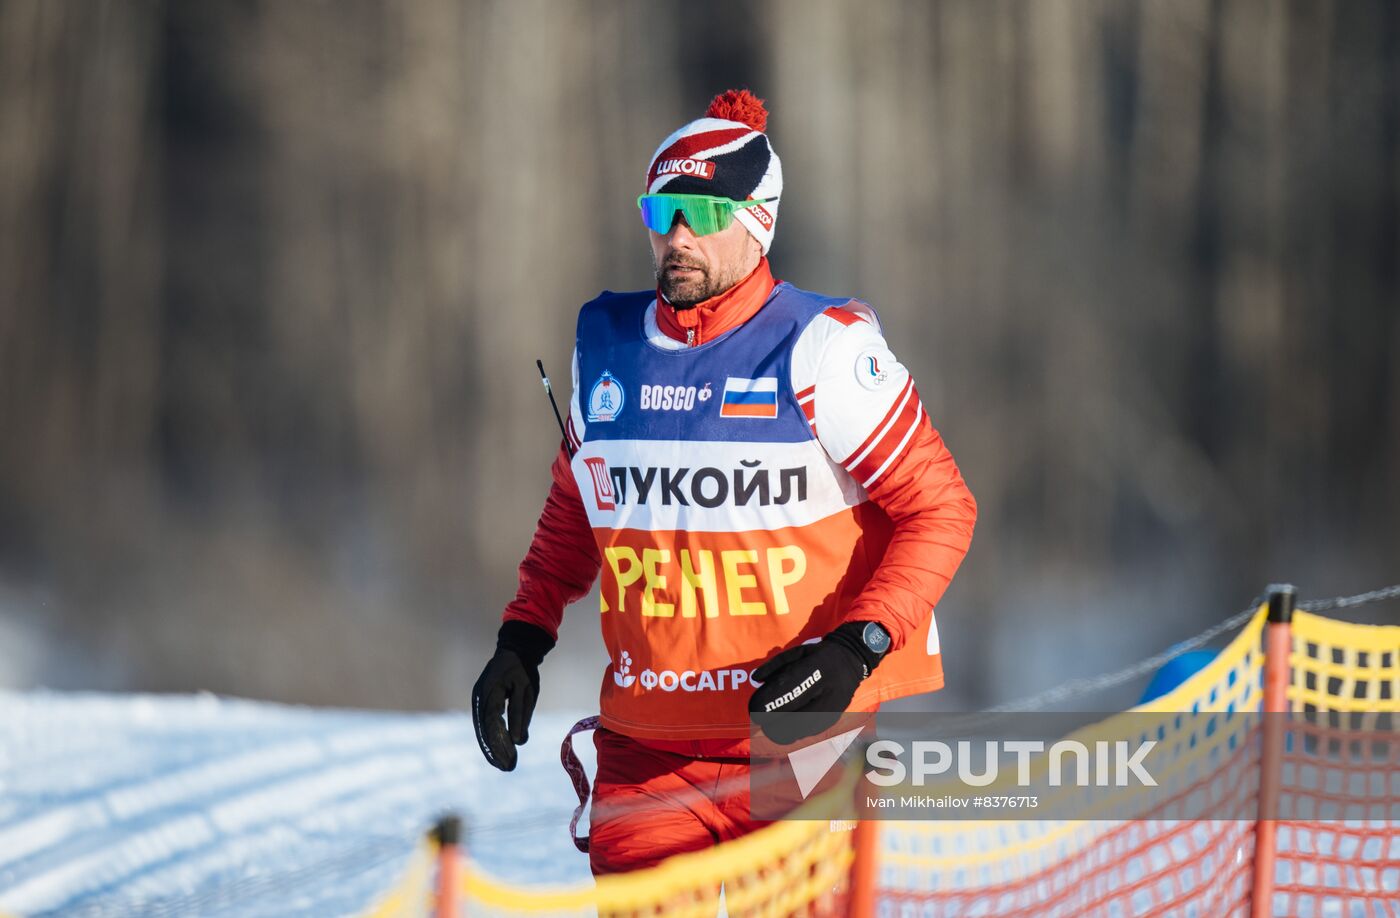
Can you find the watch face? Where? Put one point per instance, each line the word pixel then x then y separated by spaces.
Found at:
pixel 876 637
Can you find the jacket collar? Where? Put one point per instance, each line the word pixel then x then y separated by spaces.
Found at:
pixel 711 318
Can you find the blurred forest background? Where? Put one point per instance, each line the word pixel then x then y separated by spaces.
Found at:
pixel 273 276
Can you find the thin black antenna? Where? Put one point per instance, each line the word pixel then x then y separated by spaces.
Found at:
pixel 548 390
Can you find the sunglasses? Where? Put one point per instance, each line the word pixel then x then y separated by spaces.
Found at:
pixel 703 214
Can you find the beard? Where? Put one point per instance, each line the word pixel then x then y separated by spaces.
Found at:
pixel 684 291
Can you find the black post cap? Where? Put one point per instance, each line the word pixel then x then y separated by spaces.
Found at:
pixel 1283 598
pixel 448 830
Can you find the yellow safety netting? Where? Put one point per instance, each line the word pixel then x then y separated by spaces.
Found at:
pixel 1341 667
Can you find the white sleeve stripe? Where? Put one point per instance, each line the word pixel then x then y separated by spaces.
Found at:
pixel 918 416
pixel 853 461
pixel 807 398
pixel 571 431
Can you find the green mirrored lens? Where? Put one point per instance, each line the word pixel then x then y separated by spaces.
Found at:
pixel 705 216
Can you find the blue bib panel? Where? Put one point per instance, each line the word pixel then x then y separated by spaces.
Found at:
pixel 612 340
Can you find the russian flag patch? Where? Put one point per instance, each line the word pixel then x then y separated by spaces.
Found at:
pixel 750 398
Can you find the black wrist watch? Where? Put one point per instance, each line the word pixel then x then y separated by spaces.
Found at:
pixel 876 638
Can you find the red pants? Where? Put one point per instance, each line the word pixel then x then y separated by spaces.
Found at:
pixel 649 805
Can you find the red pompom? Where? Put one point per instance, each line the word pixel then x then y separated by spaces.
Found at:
pixel 739 105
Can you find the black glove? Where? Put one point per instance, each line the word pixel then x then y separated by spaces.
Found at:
pixel 815 680
pixel 514 674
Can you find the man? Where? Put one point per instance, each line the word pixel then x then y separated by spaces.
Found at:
pixel 773 513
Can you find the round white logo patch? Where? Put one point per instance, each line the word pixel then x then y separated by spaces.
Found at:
pixel 873 367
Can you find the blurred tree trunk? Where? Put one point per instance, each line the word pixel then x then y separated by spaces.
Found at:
pixel 80 265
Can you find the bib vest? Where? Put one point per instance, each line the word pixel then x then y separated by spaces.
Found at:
pixel 726 531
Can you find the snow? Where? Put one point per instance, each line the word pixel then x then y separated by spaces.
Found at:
pixel 176 805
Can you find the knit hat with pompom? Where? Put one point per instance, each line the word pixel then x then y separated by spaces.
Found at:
pixel 724 154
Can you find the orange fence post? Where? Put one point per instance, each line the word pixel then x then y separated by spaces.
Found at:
pixel 865 864
pixel 448 833
pixel 1278 644
pixel 864 868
